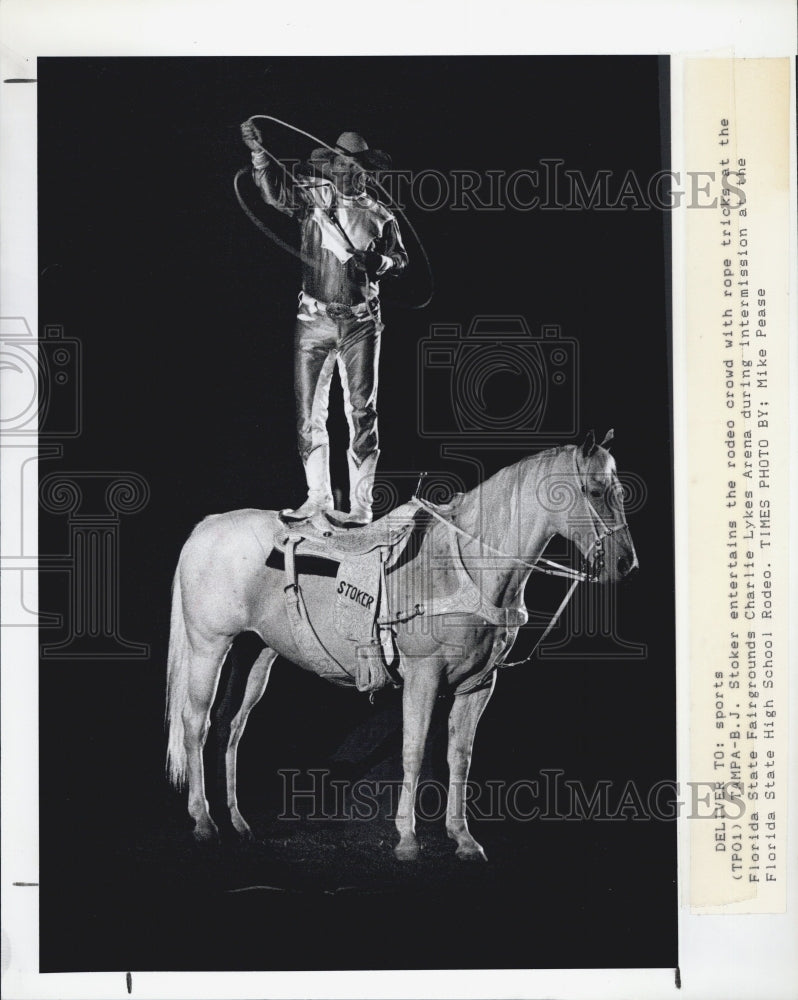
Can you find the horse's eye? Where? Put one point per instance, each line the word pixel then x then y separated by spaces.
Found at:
pixel 596 493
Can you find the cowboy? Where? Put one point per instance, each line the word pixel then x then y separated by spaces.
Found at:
pixel 349 241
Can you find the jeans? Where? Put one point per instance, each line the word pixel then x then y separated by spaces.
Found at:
pixel 354 345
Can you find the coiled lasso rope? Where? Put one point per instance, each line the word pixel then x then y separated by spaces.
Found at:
pixel 372 178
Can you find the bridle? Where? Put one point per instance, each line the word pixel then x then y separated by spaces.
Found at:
pixel 600 528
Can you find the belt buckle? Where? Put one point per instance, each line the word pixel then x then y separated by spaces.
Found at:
pixel 339 310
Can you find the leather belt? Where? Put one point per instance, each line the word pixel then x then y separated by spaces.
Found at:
pixel 335 310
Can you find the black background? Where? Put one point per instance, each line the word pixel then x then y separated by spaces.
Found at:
pixel 185 314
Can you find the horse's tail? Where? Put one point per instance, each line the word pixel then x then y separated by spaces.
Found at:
pixel 177 687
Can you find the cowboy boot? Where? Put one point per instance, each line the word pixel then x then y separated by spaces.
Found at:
pixel 361 486
pixel 317 474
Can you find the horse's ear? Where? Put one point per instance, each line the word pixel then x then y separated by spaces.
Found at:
pixel 589 444
pixel 607 438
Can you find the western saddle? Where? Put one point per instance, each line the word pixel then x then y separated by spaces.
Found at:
pixel 360 610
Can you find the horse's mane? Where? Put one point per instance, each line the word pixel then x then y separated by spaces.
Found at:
pixel 526 468
pixel 493 504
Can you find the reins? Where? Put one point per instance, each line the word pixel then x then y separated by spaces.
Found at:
pixel 551 568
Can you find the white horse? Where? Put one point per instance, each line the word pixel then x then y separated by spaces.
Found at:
pixel 494 539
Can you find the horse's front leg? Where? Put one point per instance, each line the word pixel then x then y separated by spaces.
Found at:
pixel 463 719
pixel 421 682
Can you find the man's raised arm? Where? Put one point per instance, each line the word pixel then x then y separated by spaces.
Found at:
pixel 275 183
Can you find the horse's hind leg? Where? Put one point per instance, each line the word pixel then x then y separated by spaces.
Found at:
pixel 256 685
pixel 463 718
pixel 206 666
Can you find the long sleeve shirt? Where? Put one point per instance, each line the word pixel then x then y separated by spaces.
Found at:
pixel 329 270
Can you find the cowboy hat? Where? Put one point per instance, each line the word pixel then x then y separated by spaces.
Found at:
pixel 353 145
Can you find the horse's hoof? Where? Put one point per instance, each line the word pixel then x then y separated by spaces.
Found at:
pixel 406 852
pixel 471 854
pixel 206 833
pixel 243 830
